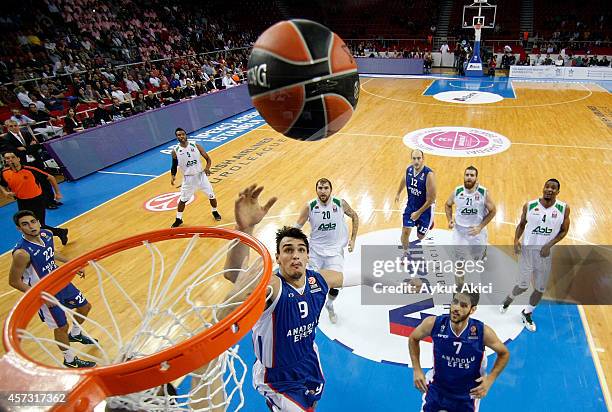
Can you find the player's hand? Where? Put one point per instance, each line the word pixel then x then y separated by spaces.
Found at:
pixel 397 198
pixel 517 247
pixel 545 251
pixel 481 390
pixel 414 216
pixel 22 149
pixel 351 245
pixel 419 381
pixel 172 180
pixel 474 230
pixel 247 210
pixel 451 224
pixel 11 195
pixel 207 171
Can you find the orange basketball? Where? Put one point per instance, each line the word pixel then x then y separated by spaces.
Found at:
pixel 303 79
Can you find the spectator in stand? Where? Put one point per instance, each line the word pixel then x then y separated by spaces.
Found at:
pixel 72 123
pixel 492 65
pixel 84 96
pixel 42 125
pixel 120 110
pixel 152 100
pixel 444 48
pixel 188 90
pixel 101 115
pixel 508 59
pixel 548 61
pixel 559 61
pixel 139 104
pixel 154 81
pixel 166 96
pixel 538 60
pixel 40 105
pixel 23 95
pixel 118 93
pixel 227 81
pixel 131 85
pixel 21 119
pixel 200 88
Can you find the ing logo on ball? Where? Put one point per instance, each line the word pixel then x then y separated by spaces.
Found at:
pixel 257 76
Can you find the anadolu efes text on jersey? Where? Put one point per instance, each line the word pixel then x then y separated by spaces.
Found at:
pixel 458 359
pixel 417 187
pixel 285 333
pixel 543 224
pixel 42 257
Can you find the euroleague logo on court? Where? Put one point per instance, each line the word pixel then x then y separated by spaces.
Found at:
pixel 468 97
pixel 379 332
pixel 457 141
pixel 165 202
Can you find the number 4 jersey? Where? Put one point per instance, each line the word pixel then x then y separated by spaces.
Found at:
pixel 543 224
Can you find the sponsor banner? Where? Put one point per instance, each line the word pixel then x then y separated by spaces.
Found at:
pixel 225 130
pixel 457 141
pixel 561 73
pixel 468 97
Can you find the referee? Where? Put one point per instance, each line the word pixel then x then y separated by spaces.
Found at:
pixel 23 184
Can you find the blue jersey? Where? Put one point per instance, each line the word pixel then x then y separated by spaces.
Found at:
pixel 416 187
pixel 42 257
pixel 284 335
pixel 458 360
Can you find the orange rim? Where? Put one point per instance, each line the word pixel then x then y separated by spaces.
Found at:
pixel 140 374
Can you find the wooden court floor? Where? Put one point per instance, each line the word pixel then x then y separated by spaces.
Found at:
pixel 553 132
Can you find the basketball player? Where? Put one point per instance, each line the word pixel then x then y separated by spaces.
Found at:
pixel 287 371
pixel 458 379
pixel 34 257
pixel 421 187
pixel 545 221
pixel 187 156
pixel 474 210
pixel 329 234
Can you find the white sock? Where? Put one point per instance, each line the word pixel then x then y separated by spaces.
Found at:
pixel 214 209
pixel 529 309
pixel 179 215
pixel 76 329
pixel 68 355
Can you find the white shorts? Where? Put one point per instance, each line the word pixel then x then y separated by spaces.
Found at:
pixel 471 247
pixel 335 262
pixel 192 183
pixel 533 268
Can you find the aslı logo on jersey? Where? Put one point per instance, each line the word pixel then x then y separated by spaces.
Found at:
pixel 324 227
pixel 468 211
pixel 539 230
pixel 379 332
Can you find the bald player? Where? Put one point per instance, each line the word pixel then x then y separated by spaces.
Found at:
pixel 420 184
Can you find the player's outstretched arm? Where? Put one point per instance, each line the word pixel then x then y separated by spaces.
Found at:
pixel 421 332
pixel 355 223
pixel 520 228
pixel 21 260
pixel 303 217
pixel 248 213
pixel 503 356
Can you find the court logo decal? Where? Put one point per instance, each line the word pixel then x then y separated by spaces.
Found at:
pixel 165 202
pixel 457 141
pixel 468 97
pixel 379 332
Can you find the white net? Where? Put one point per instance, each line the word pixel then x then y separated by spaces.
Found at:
pixel 136 318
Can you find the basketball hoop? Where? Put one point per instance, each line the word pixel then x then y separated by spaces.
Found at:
pixel 177 332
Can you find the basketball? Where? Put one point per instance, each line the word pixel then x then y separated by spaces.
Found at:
pixel 303 79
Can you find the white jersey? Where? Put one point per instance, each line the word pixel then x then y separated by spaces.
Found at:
pixel 189 159
pixel 329 233
pixel 543 224
pixel 470 206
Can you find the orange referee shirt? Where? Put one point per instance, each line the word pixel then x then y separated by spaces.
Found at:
pixel 23 182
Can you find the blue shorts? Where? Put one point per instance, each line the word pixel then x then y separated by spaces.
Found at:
pixel 423 223
pixel 55 317
pixel 436 400
pixel 290 389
